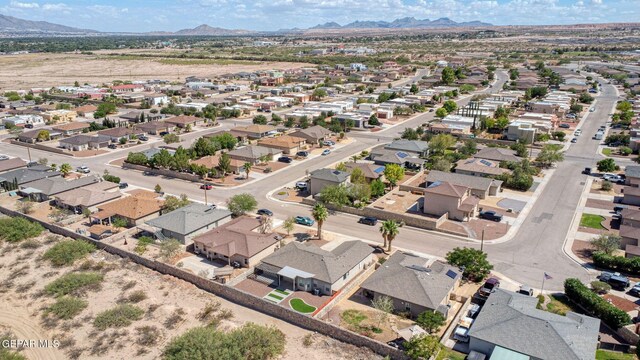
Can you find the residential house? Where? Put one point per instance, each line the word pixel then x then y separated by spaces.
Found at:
pixel 86 110
pixel 521 130
pixel 183 120
pixel 321 178
pixel 115 134
pixel 370 171
pixel 631 195
pixel 314 135
pixel 13 179
pixel 88 197
pixel 629 228
pixel 253 131
pixel 632 175
pixel 41 190
pixel 85 142
pixel 59 116
pixel 497 154
pixel 380 155
pixel 12 164
pixel 253 154
pixel 426 284
pixel 509 326
pixel 99 231
pixel 414 147
pixel 157 99
pixel 23 120
pixel 69 129
pixel 286 143
pixel 455 201
pixel 155 127
pixel 238 240
pixel 212 161
pixel 305 267
pixel 479 186
pixel 135 209
pixel 140 116
pixel 480 167
pixel 185 223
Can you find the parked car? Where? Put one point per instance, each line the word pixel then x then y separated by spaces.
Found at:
pixel 525 290
pixel 368 220
pixel 4 157
pixel 303 154
pixel 616 280
pixel 112 146
pixel 143 138
pixel 285 159
pixel 490 215
pixel 587 171
pixel 592 109
pixel 578 132
pixel 613 178
pixel 164 133
pixel 432 110
pixel 304 220
pixel 328 143
pixel 461 332
pixel 574 140
pixel 302 185
pixel 635 290
pixel 123 185
pixel 326 152
pixel 266 212
pixel 83 169
pixel 206 187
pixel 564 126
pixel 473 310
pixel 489 287
pixel 618 209
pixel 28 126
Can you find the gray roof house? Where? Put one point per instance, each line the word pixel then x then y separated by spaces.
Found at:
pixel 83 142
pixel 11 179
pixel 381 155
pixel 480 186
pixel 414 147
pixel 320 178
pixel 253 153
pixel 510 322
pixel 497 154
pixel 186 222
pixel 313 135
pixel 309 268
pixel 426 284
pixel 41 190
pixel 632 175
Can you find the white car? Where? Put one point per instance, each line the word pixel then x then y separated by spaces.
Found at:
pixel 613 178
pixel 83 169
pixel 578 132
pixel 4 157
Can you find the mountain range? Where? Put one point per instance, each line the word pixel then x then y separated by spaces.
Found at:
pixel 15 26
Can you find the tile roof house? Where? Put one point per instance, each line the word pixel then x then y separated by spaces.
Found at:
pixel 84 142
pixel 511 321
pixel 155 127
pixel 71 128
pixel 87 197
pixel 186 222
pixel 212 161
pixel 237 240
pixel 480 186
pixel 479 167
pixel 135 209
pixel 631 195
pixel 86 110
pixel 285 143
pixel 321 178
pixel 254 131
pixel 455 201
pixel 313 135
pixel 32 135
pixel 253 153
pixel 426 284
pixel 497 154
pixel 183 120
pixel 41 190
pixel 370 171
pixel 121 132
pixel 12 164
pixel 629 229
pixel 632 175
pixel 309 268
pixel 12 179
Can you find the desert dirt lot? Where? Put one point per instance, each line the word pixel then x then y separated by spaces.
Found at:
pixel 171 307
pixel 28 71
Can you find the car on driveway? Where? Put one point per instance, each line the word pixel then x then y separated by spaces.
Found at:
pixel 206 186
pixel 123 185
pixel 326 152
pixel 616 280
pixel 303 154
pixel 635 290
pixel 143 138
pixel 490 215
pixel 489 287
pixel 304 220
pixel 368 220
pixel 525 290
pixel 285 159
pixel 112 146
pixel 266 212
pixel 564 126
pixel 302 185
pixel 83 169
pixel 613 178
pixel 328 143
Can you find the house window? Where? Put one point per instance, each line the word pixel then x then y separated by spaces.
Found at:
pixel 246 261
pixel 407 306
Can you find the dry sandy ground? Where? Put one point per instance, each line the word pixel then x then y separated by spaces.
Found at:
pixel 23 275
pixel 44 70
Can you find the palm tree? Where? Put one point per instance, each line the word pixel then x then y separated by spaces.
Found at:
pixel 389 231
pixel 247 168
pixel 65 169
pixel 320 214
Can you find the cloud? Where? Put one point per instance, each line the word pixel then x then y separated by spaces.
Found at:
pixel 596 2
pixel 56 7
pixel 24 5
pixel 108 10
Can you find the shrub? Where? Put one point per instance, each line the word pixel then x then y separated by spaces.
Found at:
pixel 72 282
pixel 18 229
pixel 111 178
pixel 68 251
pixel 119 316
pixel 136 296
pixel 577 292
pixel 147 335
pixel 600 287
pixel 431 321
pixel 67 307
pixel 617 263
pixel 606 185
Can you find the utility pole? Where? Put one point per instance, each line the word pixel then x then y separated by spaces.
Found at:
pixel 205 194
pixel 482 242
pixel 29 153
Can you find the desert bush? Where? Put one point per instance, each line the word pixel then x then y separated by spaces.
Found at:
pixel 30 244
pixel 307 340
pixel 66 307
pixel 606 185
pixel 120 316
pixel 147 335
pixel 18 229
pixel 128 285
pixel 176 317
pixel 68 251
pixel 136 296
pixel 208 311
pixel 73 282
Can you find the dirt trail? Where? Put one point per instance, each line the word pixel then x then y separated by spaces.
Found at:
pixel 25 327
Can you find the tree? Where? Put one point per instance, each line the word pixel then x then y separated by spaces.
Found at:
pixel 172 203
pixel 384 305
pixel 43 135
pixel 393 173
pixel 266 223
pixel 105 109
pixel 226 141
pixel 431 321
pixel 450 106
pixel 470 147
pixel 341 166
pixel 373 120
pixel 607 165
pixel 169 248
pixel 475 263
pixel 559 135
pixel 171 138
pixel 224 164
pixel 319 214
pixel 448 76
pixel 157 188
pixel 410 134
pixel 550 154
pixel 422 347
pixel 439 143
pixel 289 224
pixel 414 89
pixel 241 204
pixel 389 230
pixel 357 176
pixel 260 120
pixel 119 222
pixel 377 188
pixel 441 164
pixel 335 195
pixel 204 147
pixel 318 94
pixel 521 149
pixel 25 206
pixel 585 98
pixel 65 169
pixel 607 243
pixel 247 168
pixel 441 112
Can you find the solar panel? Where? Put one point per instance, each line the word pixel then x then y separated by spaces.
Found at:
pixel 486 163
pixel 452 274
pixel 402 155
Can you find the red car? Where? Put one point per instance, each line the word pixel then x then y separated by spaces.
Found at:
pixel 206 186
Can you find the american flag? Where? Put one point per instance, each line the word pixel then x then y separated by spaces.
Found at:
pixel 547 276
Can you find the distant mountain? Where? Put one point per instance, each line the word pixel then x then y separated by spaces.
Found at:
pixel 205 30
pixel 10 24
pixel 404 23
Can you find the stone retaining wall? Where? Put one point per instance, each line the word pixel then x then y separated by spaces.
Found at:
pixel 232 294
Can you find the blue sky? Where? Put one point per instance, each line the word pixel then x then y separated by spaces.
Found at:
pixel 171 15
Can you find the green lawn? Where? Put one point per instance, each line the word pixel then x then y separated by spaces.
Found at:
pixel 275 296
pixel 591 221
pixel 300 306
pixel 558 304
pixel 606 151
pixel 281 292
pixel 449 354
pixel 610 355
